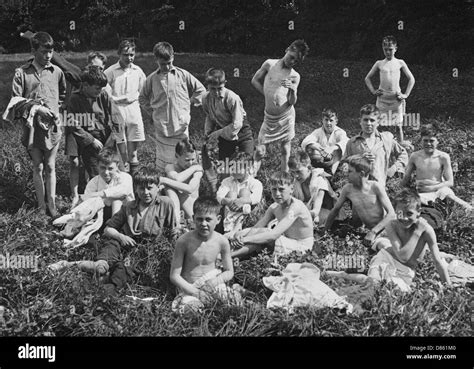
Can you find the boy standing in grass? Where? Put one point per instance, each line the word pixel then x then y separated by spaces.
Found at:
pixel 370 202
pixel 403 247
pixel 278 82
pixel 294 228
pixel 239 192
pixel 326 145
pixel 126 81
pixel 183 179
pixel 379 148
pixel 193 268
pixel 389 95
pixel 311 186
pixel 226 122
pixel 167 95
pixel 434 174
pixel 44 83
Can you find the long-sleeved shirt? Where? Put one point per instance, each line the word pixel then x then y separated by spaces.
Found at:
pixel 225 112
pixel 46 84
pixel 168 96
pixel 119 187
pixel 230 184
pixel 337 139
pixel 384 149
pixel 158 215
pixel 88 121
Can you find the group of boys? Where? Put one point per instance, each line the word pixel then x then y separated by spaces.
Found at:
pixel 155 202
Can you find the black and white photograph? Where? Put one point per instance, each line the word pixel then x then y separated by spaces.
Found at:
pixel 266 183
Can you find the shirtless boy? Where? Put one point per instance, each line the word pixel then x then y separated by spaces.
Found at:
pixel 193 268
pixel 294 230
pixel 389 95
pixel 370 202
pixel 434 174
pixel 278 82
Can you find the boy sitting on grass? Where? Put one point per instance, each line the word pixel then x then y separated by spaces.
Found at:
pixel 326 145
pixel 370 202
pixel 193 268
pixel 182 179
pixel 112 185
pixel 404 246
pixel 434 174
pixel 238 192
pixel 294 230
pixel 311 186
pixel 149 215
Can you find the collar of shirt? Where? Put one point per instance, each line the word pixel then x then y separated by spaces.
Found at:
pixel 135 204
pixel 118 66
pixel 39 68
pixel 173 69
pixel 359 135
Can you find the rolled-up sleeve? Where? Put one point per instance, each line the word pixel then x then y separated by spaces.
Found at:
pixel 256 192
pixel 231 131
pixel 122 188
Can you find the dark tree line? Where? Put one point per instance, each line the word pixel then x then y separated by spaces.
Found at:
pixel 434 32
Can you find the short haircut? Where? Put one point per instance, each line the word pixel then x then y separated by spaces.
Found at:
pixel 163 50
pixel 281 178
pixel 428 130
pixel 206 204
pixel 124 45
pixel 215 76
pixel 359 163
pixel 329 112
pixel 301 158
pixel 184 146
pixel 96 54
pixel 407 197
pixel 242 156
pixel 389 40
pixel 146 176
pixel 108 156
pixel 368 109
pixel 42 39
pixel 93 75
pixel 300 46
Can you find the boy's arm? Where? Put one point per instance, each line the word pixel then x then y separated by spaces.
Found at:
pixel 123 187
pixel 188 188
pixel 292 89
pixel 115 224
pixel 18 83
pixel 221 193
pixel 335 210
pixel 256 192
pixel 184 175
pixel 408 170
pixel 259 76
pixel 267 217
pixel 177 267
pixel 231 131
pixel 387 205
pixel 71 71
pixel 411 79
pixel 272 234
pixel 401 156
pixel 62 88
pixel 368 77
pixel 197 89
pixel 440 264
pixel 227 265
pixel 145 96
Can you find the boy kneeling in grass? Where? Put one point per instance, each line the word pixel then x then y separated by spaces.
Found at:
pixel 294 230
pixel 370 202
pixel 147 216
pixel 434 174
pixel 193 269
pixel 403 247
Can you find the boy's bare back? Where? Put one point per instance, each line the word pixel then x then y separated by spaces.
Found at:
pixel 276 96
pixel 200 256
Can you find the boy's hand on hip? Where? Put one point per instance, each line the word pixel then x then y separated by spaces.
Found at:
pixel 378 92
pixel 401 96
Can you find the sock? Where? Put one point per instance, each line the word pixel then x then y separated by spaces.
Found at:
pixel 133 167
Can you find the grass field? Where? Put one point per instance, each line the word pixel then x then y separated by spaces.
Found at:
pixel 38 303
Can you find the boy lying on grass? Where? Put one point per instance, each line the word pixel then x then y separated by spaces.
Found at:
pixel 311 186
pixel 403 247
pixel 370 202
pixel 193 268
pixel 148 216
pixel 294 228
pixel 434 174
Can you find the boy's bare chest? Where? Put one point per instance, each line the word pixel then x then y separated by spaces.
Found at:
pixel 204 252
pixel 429 164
